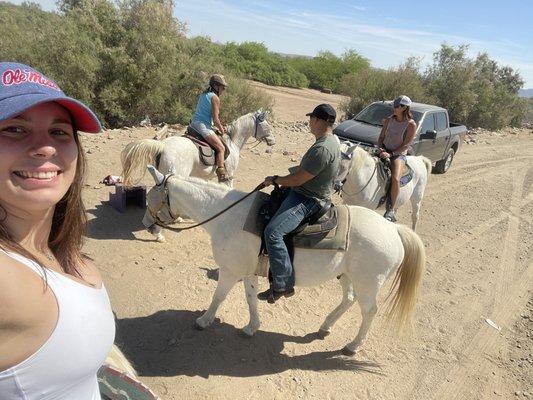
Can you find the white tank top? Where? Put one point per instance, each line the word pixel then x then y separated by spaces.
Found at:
pixel 65 366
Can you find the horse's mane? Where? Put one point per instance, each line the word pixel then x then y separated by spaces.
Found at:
pixel 218 187
pixel 360 156
pixel 236 125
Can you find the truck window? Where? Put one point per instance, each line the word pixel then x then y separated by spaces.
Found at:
pixel 442 121
pixel 428 124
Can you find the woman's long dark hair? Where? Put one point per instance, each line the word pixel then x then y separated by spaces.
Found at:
pixel 407 113
pixel 68 224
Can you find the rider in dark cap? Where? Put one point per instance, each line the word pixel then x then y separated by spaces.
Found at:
pixel 311 186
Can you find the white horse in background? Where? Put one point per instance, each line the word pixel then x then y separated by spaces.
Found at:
pixel 360 184
pixel 180 155
pixel 377 248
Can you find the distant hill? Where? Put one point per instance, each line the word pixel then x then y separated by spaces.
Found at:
pixel 289 55
pixel 525 92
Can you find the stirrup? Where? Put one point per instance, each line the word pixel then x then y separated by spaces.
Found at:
pixel 222 174
pixel 389 215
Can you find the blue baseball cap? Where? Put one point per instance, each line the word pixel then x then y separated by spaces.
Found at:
pixel 22 87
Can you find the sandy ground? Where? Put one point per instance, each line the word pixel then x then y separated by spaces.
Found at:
pixel 477 227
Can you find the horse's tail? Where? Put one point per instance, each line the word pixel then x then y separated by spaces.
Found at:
pixel 407 279
pixel 135 158
pixel 427 163
pixel 118 361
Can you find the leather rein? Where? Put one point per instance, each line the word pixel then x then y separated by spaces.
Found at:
pixel 166 202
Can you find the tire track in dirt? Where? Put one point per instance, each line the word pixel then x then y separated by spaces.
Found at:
pixel 478 231
pixel 508 258
pixel 492 162
pixel 487 173
pixel 457 383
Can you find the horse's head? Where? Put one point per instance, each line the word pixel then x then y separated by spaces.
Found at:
pixel 347 150
pixel 158 210
pixel 263 131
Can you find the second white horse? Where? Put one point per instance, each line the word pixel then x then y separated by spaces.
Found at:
pixel 363 187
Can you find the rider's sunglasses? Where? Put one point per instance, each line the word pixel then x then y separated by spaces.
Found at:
pixel 398 105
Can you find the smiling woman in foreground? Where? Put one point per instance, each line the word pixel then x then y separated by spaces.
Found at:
pixel 56 324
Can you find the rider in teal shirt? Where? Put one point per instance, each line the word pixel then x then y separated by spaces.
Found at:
pixel 207 115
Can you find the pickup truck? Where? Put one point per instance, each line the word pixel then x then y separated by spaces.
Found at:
pixel 436 138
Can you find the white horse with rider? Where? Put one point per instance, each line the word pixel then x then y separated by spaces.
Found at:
pixel 179 154
pixel 376 250
pixel 359 181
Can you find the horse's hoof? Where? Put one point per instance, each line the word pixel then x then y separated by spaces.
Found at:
pixel 198 327
pixel 321 334
pixel 245 334
pixel 160 239
pixel 347 352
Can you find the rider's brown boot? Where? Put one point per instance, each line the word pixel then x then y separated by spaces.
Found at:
pixel 222 174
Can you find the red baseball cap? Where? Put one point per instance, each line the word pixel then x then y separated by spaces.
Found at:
pixel 22 87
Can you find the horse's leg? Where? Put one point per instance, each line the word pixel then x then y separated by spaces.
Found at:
pixel 416 203
pixel 156 231
pixel 415 211
pixel 348 298
pixel 367 302
pixel 226 281
pixel 250 287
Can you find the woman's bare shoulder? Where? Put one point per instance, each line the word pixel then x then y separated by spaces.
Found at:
pixel 16 281
pixel 89 271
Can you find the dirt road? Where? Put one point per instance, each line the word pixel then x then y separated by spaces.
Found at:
pixel 477 226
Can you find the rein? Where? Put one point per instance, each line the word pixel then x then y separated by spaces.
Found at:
pixel 364 187
pixel 257 188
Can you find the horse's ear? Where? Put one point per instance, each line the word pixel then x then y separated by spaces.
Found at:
pixel 158 176
pixel 348 150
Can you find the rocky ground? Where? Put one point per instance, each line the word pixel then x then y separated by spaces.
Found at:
pixel 473 336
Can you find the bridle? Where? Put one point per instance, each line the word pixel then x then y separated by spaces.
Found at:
pixel 340 188
pixel 166 202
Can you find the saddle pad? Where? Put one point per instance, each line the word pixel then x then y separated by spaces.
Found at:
pixel 114 385
pixel 405 177
pixel 207 154
pixel 312 237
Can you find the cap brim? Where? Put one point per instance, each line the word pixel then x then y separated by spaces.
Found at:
pixel 83 117
pixel 309 114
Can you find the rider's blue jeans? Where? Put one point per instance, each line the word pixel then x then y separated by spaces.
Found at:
pixel 293 210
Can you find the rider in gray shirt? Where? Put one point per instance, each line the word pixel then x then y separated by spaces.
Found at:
pixel 312 186
pixel 322 160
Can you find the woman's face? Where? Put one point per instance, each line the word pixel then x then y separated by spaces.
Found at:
pixel 398 111
pixel 38 155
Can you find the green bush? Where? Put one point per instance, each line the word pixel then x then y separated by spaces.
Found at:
pixel 476 92
pixel 375 84
pixel 326 70
pixel 131 58
pixel 126 59
pixel 529 110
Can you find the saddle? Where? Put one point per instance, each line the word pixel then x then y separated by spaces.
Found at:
pixel 207 153
pixel 115 384
pixel 384 174
pixel 327 229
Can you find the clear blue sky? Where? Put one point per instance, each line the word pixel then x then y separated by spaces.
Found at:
pixel 384 31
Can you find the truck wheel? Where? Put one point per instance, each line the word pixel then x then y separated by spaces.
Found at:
pixel 444 165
